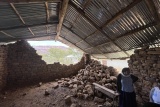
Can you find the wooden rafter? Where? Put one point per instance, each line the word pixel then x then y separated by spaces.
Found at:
pixel 73 44
pixel 62 15
pixel 97 27
pixel 47 16
pixel 86 4
pixel 120 13
pixel 47 12
pixel 132 32
pixel 84 40
pixel 7 34
pixel 16 11
pixel 20 1
pixel 26 26
pixel 138 30
pixel 88 36
pixel 152 9
pixel 19 38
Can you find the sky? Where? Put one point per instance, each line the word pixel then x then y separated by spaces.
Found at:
pixel 46 43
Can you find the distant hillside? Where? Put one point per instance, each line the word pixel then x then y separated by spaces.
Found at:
pixel 44 49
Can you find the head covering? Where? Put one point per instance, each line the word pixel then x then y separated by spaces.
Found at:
pixel 125 70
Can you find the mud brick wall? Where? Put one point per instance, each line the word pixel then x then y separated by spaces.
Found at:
pixel 145 64
pixel 25 66
pixel 3 67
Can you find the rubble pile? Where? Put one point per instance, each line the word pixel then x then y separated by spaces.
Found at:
pixel 81 84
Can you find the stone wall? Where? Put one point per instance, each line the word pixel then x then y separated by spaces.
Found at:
pixel 3 67
pixel 145 64
pixel 25 66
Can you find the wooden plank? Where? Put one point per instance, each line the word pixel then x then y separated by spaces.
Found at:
pixel 70 43
pixel 106 91
pixel 138 30
pixel 61 38
pixel 157 48
pixel 86 4
pixel 7 34
pixel 62 15
pixel 26 26
pixel 120 13
pixel 85 41
pixel 152 9
pixel 154 52
pixel 16 11
pixel 20 38
pixel 88 36
pixel 97 27
pixel 132 32
pixel 47 12
pixel 28 1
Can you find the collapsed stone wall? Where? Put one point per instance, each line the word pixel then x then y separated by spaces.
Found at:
pixel 25 67
pixel 3 67
pixel 145 64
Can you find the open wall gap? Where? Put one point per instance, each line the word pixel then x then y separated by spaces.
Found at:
pixel 52 51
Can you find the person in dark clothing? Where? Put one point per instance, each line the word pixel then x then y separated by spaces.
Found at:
pixel 125 88
pixel 154 96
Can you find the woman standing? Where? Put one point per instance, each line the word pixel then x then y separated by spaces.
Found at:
pixel 125 87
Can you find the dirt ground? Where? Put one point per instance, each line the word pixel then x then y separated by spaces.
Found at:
pixel 34 97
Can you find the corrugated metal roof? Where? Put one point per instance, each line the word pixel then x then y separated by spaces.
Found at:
pixel 115 26
pixel 103 28
pixel 22 20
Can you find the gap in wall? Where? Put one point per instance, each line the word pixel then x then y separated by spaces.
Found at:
pixel 55 51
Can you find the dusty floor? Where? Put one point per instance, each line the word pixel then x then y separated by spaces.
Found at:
pixel 34 97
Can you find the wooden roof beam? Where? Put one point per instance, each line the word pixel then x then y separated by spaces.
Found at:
pixel 47 12
pixel 26 26
pixel 7 34
pixel 86 4
pixel 133 32
pixel 97 27
pixel 120 13
pixel 16 11
pixel 21 38
pixel 28 1
pixel 73 44
pixel 152 9
pixel 138 30
pixel 84 40
pixel 88 36
pixel 62 15
pixel 116 16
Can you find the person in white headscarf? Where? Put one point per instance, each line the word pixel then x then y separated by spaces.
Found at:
pixel 154 96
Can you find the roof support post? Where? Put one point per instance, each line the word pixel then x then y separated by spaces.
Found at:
pixel 62 15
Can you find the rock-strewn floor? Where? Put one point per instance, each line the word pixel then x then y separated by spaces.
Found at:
pixel 35 97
